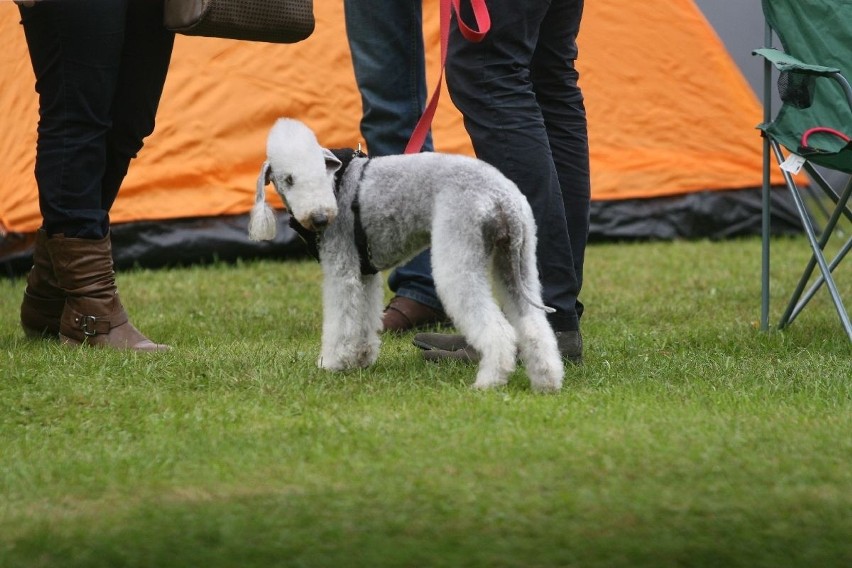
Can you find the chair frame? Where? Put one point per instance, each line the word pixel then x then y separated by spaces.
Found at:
pixel 817 239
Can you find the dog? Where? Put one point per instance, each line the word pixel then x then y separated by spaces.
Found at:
pixel 363 215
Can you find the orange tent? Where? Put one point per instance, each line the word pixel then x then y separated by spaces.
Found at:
pixel 670 116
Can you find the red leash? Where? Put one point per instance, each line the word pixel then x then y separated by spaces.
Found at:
pixel 483 24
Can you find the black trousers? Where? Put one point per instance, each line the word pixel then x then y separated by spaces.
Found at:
pixel 100 66
pixel 524 112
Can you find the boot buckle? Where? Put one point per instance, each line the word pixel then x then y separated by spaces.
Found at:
pixel 88 326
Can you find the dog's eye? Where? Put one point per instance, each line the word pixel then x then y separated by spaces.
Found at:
pixel 288 180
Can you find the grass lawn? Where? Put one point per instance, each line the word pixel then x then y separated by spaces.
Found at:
pixel 689 438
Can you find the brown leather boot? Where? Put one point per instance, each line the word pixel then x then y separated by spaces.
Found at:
pixel 93 312
pixel 403 314
pixel 44 300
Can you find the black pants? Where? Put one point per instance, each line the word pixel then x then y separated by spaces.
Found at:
pixel 524 112
pixel 100 66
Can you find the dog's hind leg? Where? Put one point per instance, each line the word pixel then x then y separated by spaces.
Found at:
pixel 536 340
pixel 460 268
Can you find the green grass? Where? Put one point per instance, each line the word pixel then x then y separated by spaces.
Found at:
pixel 689 438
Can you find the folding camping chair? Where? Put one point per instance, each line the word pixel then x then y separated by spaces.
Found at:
pixel 813 124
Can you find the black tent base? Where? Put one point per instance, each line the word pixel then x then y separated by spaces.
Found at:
pixel 701 215
pixel 181 242
pixel 171 242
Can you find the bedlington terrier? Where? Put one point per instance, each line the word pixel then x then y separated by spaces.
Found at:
pixel 370 214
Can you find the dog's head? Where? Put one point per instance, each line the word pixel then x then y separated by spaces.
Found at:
pixel 302 173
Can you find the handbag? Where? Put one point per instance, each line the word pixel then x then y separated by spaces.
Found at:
pixel 273 21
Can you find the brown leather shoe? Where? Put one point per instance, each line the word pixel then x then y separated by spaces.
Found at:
pixel 404 314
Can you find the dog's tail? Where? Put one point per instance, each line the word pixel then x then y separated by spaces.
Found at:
pixel 523 249
pixel 262 218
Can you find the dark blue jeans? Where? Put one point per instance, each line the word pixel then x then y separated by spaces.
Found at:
pixel 523 109
pixel 100 66
pixel 386 41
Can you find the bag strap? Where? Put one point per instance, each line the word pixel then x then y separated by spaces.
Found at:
pixel 483 25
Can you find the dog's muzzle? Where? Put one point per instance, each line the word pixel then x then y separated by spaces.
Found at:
pixel 318 220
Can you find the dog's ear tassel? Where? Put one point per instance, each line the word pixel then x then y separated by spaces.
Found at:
pixel 261 222
pixel 262 218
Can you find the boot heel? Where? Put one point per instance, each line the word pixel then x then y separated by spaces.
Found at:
pixel 43 300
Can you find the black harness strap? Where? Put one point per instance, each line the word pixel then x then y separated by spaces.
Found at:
pixel 361 242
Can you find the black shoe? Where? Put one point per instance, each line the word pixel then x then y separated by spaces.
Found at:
pixel 466 355
pixel 441 346
pixel 437 346
pixel 439 341
pixel 570 346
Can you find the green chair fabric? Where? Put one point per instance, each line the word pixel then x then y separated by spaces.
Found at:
pixel 816 37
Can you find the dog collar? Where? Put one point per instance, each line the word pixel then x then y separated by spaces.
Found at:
pixel 345 155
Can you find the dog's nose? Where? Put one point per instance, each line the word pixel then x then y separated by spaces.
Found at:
pixel 319 220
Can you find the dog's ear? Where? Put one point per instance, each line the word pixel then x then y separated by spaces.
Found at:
pixel 262 219
pixel 332 164
pixel 266 172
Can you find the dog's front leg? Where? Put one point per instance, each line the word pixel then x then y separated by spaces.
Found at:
pixel 371 321
pixel 349 336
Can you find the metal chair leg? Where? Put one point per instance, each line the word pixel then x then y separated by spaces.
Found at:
pixel 816 248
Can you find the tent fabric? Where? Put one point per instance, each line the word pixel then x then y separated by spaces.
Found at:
pixel 669 113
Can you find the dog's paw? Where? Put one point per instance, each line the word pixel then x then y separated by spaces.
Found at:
pixel 332 364
pixel 546 378
pixel 366 357
pixel 489 381
pixel 547 386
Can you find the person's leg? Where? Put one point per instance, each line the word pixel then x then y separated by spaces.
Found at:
pixel 414 280
pixel 554 79
pixel 68 72
pixel 144 64
pixel 386 43
pixel 75 48
pixel 490 84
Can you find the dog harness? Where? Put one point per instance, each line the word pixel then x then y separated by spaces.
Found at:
pixel 311 238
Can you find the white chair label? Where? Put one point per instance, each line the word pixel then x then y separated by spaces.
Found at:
pixel 793 164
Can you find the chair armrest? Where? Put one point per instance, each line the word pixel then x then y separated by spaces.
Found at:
pixel 786 62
